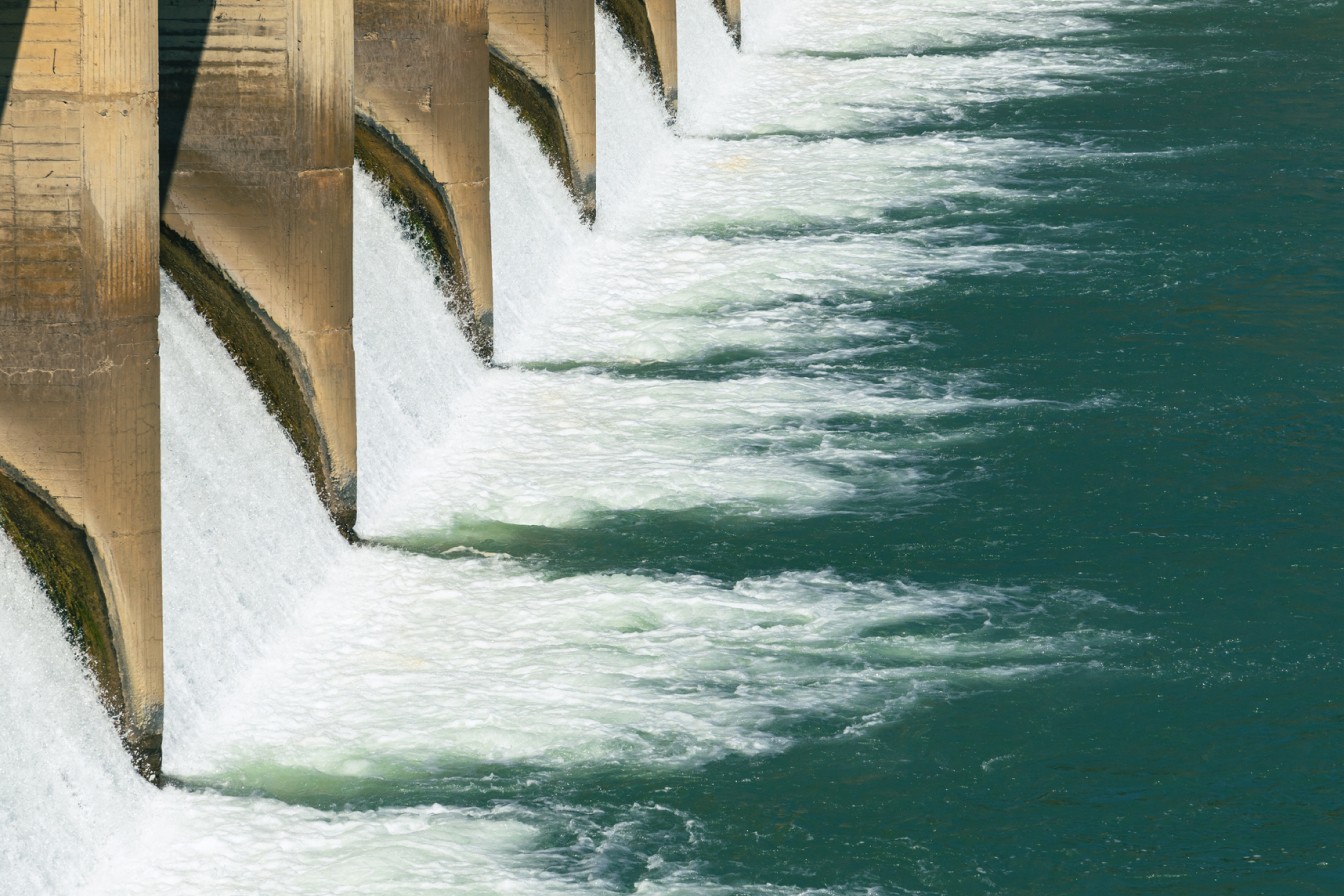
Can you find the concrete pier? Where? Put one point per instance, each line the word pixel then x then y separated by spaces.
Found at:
pixel 650 30
pixel 543 61
pixel 422 90
pixel 731 11
pixel 79 368
pixel 257 154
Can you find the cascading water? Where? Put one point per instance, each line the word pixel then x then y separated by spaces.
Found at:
pixel 538 244
pixel 404 331
pixel 245 537
pixel 319 674
pixel 707 587
pixel 66 785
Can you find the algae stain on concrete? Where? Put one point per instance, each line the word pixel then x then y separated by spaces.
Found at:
pixel 57 552
pixel 256 345
pixel 539 110
pixel 428 219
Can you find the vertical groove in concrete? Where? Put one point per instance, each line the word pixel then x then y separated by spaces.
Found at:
pixel 79 369
pixel 544 62
pixel 422 90
pixel 649 28
pixel 258 128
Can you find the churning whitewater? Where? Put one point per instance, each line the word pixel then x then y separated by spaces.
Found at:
pixel 571 601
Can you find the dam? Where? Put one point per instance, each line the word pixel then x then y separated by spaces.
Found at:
pixel 773 447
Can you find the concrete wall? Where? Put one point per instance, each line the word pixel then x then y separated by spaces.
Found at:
pixel 544 62
pixel 257 154
pixel 650 30
pixel 79 298
pixel 422 89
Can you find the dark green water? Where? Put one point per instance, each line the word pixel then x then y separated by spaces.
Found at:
pixel 1176 305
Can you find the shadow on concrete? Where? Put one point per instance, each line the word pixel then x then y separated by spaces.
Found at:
pixel 182 31
pixel 183 25
pixel 13 13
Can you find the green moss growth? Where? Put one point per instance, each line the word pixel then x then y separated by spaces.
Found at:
pixel 427 218
pixel 538 109
pixel 253 342
pixel 57 552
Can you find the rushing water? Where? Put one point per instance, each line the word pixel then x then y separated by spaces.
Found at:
pixel 925 478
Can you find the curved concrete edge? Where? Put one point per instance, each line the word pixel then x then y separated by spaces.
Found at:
pixel 540 111
pixel 649 28
pixel 79 364
pixel 422 128
pixel 271 361
pixel 62 557
pixel 433 224
pixel 57 552
pixel 632 21
pixel 731 13
pixel 257 167
pixel 543 62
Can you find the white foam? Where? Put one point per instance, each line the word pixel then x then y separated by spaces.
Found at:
pixel 773 229
pixel 414 362
pixel 209 845
pixel 872 70
pixel 539 245
pixel 534 228
pixel 244 535
pixel 549 449
pixel 709 67
pixel 872 27
pixel 441 664
pixel 632 129
pixel 65 783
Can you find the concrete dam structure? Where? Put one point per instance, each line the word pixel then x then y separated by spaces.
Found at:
pixel 256 166
pixel 79 367
pixel 422 128
pixel 217 140
pixel 543 62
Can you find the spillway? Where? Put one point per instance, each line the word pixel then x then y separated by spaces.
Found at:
pixel 808 533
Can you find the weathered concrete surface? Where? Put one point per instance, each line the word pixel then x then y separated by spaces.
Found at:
pixel 731 11
pixel 258 150
pixel 650 30
pixel 422 91
pixel 79 368
pixel 663 19
pixel 543 60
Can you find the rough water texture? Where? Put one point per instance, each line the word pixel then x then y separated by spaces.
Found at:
pixel 924 479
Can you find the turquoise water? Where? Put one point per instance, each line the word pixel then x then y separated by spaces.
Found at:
pixel 1146 502
pixel 926 479
pixel 1165 291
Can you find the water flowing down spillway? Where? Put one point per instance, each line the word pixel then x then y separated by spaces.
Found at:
pixel 912 483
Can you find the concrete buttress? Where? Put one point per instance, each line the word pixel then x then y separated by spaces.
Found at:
pixel 257 152
pixel 422 91
pixel 79 366
pixel 543 61
pixel 649 28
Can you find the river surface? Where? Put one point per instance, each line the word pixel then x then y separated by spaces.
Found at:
pixel 926 478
